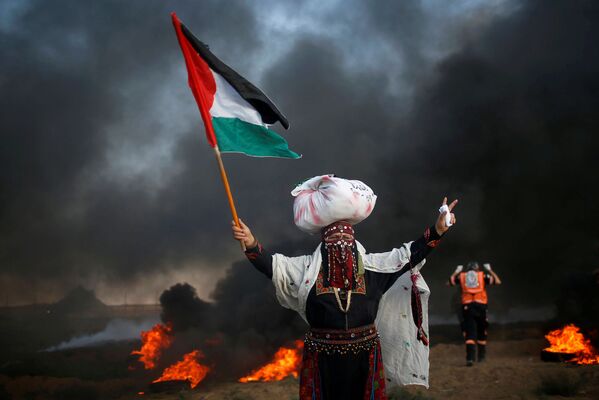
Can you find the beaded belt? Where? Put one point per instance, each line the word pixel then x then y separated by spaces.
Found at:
pixel 338 341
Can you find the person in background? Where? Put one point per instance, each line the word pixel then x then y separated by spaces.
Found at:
pixel 473 282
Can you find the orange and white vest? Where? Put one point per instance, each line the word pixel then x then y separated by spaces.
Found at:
pixel 473 287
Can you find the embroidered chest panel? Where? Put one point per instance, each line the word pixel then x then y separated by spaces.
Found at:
pixel 321 289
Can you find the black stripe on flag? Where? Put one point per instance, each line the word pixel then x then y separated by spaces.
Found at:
pixel 267 109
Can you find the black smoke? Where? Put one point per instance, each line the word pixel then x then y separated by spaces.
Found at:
pixel 183 309
pixel 105 176
pixel 77 85
pixel 578 303
pixel 507 123
pixel 240 330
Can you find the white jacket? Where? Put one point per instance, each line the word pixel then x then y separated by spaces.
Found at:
pixel 405 358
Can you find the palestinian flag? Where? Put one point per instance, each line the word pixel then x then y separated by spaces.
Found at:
pixel 236 114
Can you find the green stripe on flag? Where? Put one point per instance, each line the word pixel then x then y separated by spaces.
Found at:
pixel 236 136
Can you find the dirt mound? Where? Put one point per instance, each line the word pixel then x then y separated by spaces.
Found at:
pixel 80 302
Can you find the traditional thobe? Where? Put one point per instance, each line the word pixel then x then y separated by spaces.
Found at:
pixel 384 296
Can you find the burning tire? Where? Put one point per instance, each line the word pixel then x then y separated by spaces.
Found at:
pixel 552 356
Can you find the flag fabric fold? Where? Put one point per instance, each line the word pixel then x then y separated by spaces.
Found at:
pixel 236 113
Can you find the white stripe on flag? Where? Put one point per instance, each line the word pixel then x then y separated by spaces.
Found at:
pixel 229 104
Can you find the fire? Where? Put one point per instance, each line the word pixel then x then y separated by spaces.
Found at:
pixel 286 361
pixel 159 338
pixel 153 342
pixel 187 370
pixel 569 340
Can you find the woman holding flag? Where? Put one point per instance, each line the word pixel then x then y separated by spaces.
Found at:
pixel 367 312
pixel 367 315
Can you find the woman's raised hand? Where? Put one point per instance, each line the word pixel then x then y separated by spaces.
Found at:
pixel 243 234
pixel 441 225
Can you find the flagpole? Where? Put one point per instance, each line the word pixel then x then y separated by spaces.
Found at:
pixel 199 95
pixel 223 176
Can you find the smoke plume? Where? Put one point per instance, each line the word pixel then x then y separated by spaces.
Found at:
pixel 106 180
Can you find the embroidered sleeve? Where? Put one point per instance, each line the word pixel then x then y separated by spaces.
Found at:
pixel 261 259
pixel 423 245
pixel 419 249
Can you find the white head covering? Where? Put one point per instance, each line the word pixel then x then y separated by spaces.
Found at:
pixel 325 199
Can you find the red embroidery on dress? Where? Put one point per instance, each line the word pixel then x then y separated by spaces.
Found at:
pixel 417 306
pixel 375 383
pixel 321 289
pixel 253 253
pixel 310 377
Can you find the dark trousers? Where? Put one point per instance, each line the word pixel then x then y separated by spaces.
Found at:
pixel 474 328
pixel 475 322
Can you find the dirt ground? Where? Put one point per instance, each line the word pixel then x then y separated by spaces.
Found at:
pixel 513 371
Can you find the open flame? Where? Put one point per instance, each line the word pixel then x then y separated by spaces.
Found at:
pixel 153 342
pixel 569 340
pixel 286 361
pixel 187 370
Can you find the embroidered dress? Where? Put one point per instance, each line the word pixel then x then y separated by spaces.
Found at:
pixel 344 364
pixel 383 296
